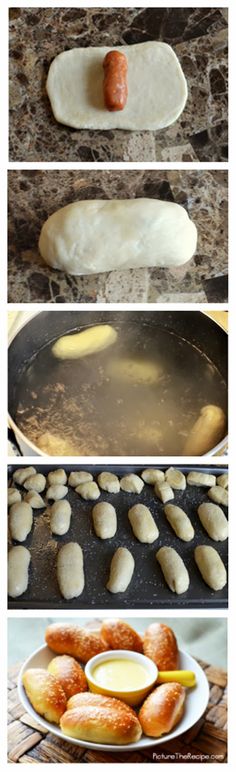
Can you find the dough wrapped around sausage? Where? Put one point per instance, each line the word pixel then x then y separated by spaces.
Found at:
pixel 214 521
pixel 118 634
pixel 20 520
pixel 160 644
pixel 121 570
pixel 153 476
pixel 134 371
pixel 13 495
pixel 174 570
pixel 20 475
pixel 18 567
pixel 210 566
pixel 36 482
pixel 60 515
pixel 162 709
pixel 57 477
pixel 201 479
pixel 223 480
pixel 97 236
pixel 76 478
pixel 143 524
pixel 164 491
pixel 34 499
pixel 45 693
pixel 104 520
pixel 109 482
pixel 175 478
pixel 207 431
pixel 219 495
pixel 88 491
pixel 76 641
pixel 131 483
pixel 85 343
pixel 101 719
pixel 70 570
pixel 70 674
pixel 179 521
pixel 56 492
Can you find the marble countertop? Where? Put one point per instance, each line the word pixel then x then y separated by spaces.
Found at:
pixel 199 38
pixel 34 195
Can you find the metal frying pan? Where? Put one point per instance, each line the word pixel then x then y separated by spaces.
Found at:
pixel 191 327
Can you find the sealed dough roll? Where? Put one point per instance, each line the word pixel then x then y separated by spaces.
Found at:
pixel 131 483
pixel 214 521
pixel 174 570
pixel 101 720
pixel 109 482
pixel 151 476
pixel 70 570
pixel 98 235
pixel 60 515
pixel 45 693
pixel 36 482
pixel 104 520
pixel 34 499
pixel 76 478
pixel 179 521
pixel 219 495
pixel 20 520
pixel 84 343
pixel 70 674
pixel 20 475
pixel 210 566
pixel 157 89
pixel 89 491
pixel 56 492
pixel 13 495
pixel 223 480
pixel 175 478
pixel 164 491
pixel 201 479
pixel 121 570
pixel 57 476
pixel 162 709
pixel 18 567
pixel 143 524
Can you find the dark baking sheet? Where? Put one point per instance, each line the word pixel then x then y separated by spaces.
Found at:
pixel 147 588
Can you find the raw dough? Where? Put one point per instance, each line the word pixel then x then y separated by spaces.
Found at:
pixel 104 520
pixel 175 478
pixel 219 495
pixel 157 89
pixel 210 566
pixel 36 482
pixel 98 235
pixel 223 480
pixel 70 571
pixel 151 476
pixel 135 371
pixel 76 478
pixel 20 475
pixel 143 524
pixel 57 476
pixel 109 482
pixel 179 521
pixel 88 490
pixel 201 479
pixel 207 431
pixel 20 520
pixel 164 491
pixel 60 515
pixel 131 483
pixel 34 499
pixel 56 492
pixel 214 521
pixel 174 570
pixel 13 495
pixel 18 566
pixel 84 343
pixel 121 570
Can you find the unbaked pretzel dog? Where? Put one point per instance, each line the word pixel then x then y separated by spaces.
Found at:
pixel 115 87
pixel 75 641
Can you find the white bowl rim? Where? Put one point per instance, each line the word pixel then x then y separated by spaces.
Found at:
pixel 122 654
pixel 144 741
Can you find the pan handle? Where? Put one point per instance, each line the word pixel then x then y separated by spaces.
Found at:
pixel 13 440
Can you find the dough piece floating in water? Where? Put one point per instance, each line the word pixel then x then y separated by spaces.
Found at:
pixel 82 344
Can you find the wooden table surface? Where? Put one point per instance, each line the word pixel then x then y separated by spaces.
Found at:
pixel 205 742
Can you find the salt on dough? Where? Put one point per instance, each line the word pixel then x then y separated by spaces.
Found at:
pixel 151 476
pixel 219 495
pixel 157 89
pixel 109 482
pixel 76 478
pixel 104 520
pixel 175 478
pixel 60 515
pixel 84 343
pixel 20 520
pixel 164 491
pixel 210 566
pixel 131 483
pixel 201 479
pixel 18 566
pixel 13 495
pixel 106 235
pixel 57 476
pixel 143 524
pixel 214 521
pixel 179 521
pixel 121 570
pixel 174 570
pixel 70 570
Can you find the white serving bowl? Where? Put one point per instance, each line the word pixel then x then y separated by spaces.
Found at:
pixel 196 703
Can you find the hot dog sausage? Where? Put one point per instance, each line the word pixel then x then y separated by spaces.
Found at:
pixel 115 80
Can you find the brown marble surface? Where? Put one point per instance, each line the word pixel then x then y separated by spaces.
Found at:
pixel 199 38
pixel 34 195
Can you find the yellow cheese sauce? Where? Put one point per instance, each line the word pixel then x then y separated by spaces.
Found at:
pixel 121 674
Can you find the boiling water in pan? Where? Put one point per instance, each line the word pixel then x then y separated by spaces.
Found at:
pixel 103 405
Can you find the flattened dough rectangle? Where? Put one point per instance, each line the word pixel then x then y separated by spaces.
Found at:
pixel 157 89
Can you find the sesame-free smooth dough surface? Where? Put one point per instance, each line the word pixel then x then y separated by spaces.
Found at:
pixel 100 235
pixel 157 89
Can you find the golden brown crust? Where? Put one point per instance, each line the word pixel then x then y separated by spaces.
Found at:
pixel 69 673
pixel 119 635
pixel 45 693
pixel 74 640
pixel 104 720
pixel 162 709
pixel 160 645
